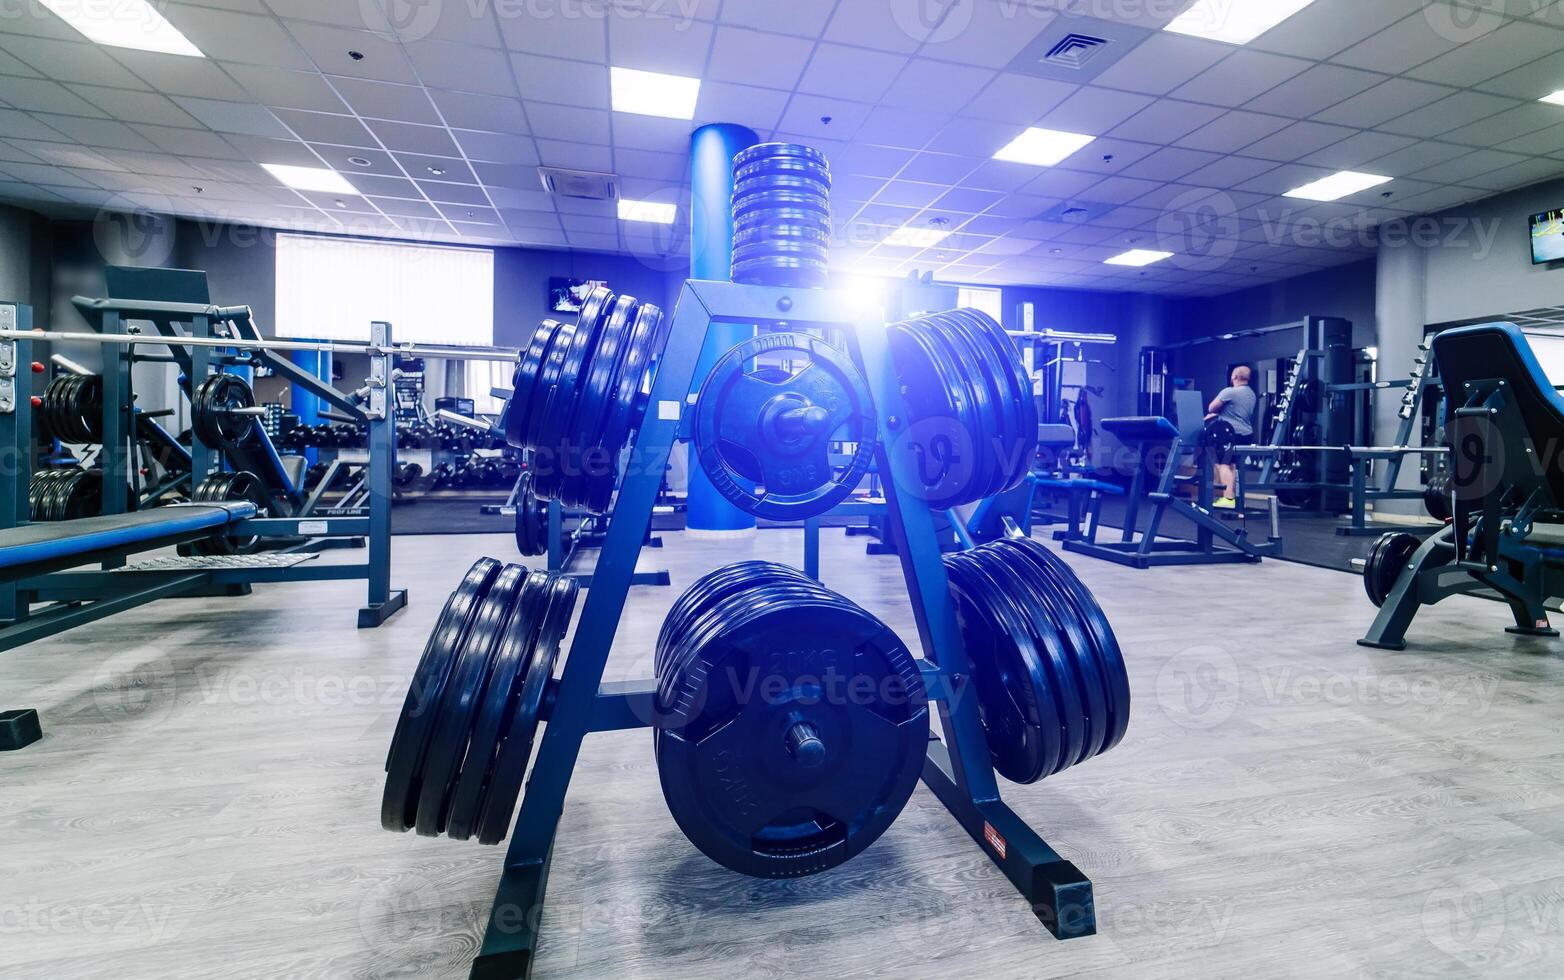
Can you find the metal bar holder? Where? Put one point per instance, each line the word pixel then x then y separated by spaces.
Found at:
pixel 957 767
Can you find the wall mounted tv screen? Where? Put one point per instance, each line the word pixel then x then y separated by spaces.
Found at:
pixel 1547 237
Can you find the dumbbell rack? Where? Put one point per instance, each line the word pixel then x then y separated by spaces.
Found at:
pixel 957 768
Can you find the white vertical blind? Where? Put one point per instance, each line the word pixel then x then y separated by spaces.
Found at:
pixel 332 288
pixel 990 301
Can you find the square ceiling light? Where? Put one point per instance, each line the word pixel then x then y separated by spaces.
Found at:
pixel 310 178
pixel 650 93
pixel 1137 257
pixel 911 237
pixel 1234 21
pixel 1337 186
pixel 124 24
pixel 1042 147
pixel 656 212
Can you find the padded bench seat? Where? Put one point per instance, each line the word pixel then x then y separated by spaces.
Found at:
pixel 37 546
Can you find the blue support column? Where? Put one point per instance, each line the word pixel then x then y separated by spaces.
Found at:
pixel 306 405
pixel 712 149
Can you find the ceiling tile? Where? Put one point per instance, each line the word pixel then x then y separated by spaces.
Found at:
pixel 1296 141
pixel 66 61
pixel 990 35
pixel 386 100
pixel 1315 90
pixel 1408 43
pixel 233 117
pixel 757 108
pixel 1233 131
pixel 1241 77
pixel 806 18
pixel 1094 111
pixel 497 147
pixel 286 89
pixel 1357 150
pixel 1019 99
pixel 883 26
pixel 1165 121
pixel 320 127
pixel 462 67
pixel 230 36
pixel 564 82
pixel 1162 63
pixel 850 73
pixel 466 110
pixel 329 47
pixel 672 45
pixel 174 75
pixel 1493 54
pixel 42 95
pixel 1325 27
pixel 1452 112
pixel 395 136
pixel 107 132
pixel 938 86
pixel 757 58
pixel 1386 101
pixel 1519 121
pixel 903 128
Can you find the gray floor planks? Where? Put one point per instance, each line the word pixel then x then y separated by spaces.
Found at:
pixel 1286 803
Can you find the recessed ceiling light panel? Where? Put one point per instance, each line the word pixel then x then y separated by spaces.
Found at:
pixel 1337 186
pixel 1137 257
pixel 310 178
pixel 650 93
pixel 656 212
pixel 124 24
pixel 1042 147
pixel 911 237
pixel 1234 21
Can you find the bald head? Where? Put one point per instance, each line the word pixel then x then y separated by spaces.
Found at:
pixel 1241 375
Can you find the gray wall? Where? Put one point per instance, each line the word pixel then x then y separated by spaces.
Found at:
pixel 1481 264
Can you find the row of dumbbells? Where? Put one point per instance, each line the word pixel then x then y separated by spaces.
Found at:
pixel 420 435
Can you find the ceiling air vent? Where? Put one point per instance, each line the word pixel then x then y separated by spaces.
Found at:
pixel 580 183
pixel 1074 50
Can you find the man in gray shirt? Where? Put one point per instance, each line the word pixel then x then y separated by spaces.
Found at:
pixel 1235 405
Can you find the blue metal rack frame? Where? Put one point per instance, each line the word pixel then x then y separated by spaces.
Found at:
pixel 957 768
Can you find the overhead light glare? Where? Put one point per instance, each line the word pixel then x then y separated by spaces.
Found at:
pixel 1234 21
pixel 310 178
pixel 1337 186
pixel 124 24
pixel 655 212
pixel 1554 98
pixel 650 93
pixel 1138 257
pixel 1042 147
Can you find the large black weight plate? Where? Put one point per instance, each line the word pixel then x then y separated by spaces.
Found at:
pixel 712 589
pixel 497 702
pixel 1437 497
pixel 766 235
pixel 529 368
pixel 935 447
pixel 1021 443
pixel 1388 558
pixel 531 520
pixel 459 702
pixel 972 379
pixel 784 428
pixel 404 761
pixel 1104 642
pixel 1022 721
pixel 1064 648
pixel 212 407
pixel 733 784
pixel 515 741
pixel 548 376
pixel 554 428
pixel 587 460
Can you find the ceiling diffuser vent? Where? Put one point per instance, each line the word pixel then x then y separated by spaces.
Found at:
pixel 580 183
pixel 1074 51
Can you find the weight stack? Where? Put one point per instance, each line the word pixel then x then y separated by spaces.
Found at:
pixel 781 215
pixel 791 724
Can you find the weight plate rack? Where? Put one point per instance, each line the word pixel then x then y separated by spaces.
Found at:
pixel 971 427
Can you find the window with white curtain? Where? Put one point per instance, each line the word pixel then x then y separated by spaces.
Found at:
pixel 332 288
pixel 482 378
pixel 987 299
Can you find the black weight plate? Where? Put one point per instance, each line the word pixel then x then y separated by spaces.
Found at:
pixel 1388 558
pixel 764 235
pixel 745 255
pixel 404 760
pixel 763 185
pixel 211 411
pixel 1104 642
pixel 1035 726
pixel 975 378
pixel 757 221
pixel 587 457
pixel 548 376
pixel 515 742
pixel 1022 446
pixel 772 817
pixel 935 444
pixel 529 368
pixel 459 702
pixel 975 470
pixel 555 427
pixel 1054 621
pixel 632 381
pixel 531 520
pixel 797 273
pixel 496 704
pixel 1374 573
pixel 771 151
pixel 782 167
pixel 982 367
pixel 712 589
pixel 767 201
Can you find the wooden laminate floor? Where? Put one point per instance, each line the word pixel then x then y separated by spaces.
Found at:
pixel 1287 804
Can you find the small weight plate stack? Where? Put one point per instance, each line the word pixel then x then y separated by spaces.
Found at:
pixel 781 215
pixel 64 494
pixel 227 487
pixel 72 409
pixel 1387 559
pixel 972 430
pixel 790 724
pixel 467 727
pixel 1051 683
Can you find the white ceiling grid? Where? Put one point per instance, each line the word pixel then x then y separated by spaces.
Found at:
pixel 443 121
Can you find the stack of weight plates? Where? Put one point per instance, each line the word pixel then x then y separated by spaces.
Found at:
pixel 791 724
pixel 464 738
pixel 227 487
pixel 1387 559
pixel 64 494
pixel 580 391
pixel 781 215
pixel 972 426
pixel 72 409
pixel 1051 683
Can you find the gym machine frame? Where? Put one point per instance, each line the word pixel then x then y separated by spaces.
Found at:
pixel 957 769
pixel 113 587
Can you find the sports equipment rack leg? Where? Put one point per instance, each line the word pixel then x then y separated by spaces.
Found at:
pixel 957 769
